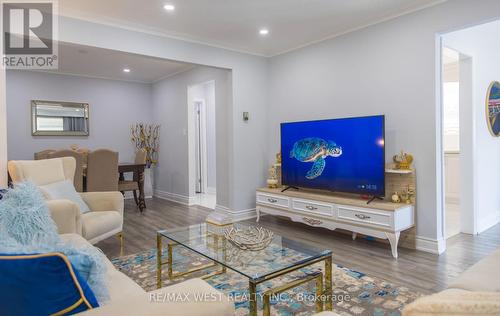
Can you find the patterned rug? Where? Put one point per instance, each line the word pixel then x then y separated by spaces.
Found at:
pixel 354 292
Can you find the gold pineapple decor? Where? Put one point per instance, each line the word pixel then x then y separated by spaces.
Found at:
pixel 146 137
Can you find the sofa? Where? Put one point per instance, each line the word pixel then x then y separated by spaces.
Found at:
pixel 128 298
pixel 474 292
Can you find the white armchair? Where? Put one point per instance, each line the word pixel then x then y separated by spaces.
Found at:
pixel 105 218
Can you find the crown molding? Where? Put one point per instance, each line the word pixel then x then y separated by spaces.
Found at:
pixel 184 37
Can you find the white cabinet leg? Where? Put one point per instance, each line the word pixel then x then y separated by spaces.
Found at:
pixel 393 240
pixel 354 235
pixel 258 215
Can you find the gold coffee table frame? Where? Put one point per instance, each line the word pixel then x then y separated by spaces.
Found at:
pixel 324 288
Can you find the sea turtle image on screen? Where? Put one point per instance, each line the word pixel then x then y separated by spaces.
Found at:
pixel 315 150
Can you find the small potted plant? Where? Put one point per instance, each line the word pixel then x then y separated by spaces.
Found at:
pixel 146 137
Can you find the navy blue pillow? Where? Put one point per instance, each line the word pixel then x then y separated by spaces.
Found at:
pixel 42 284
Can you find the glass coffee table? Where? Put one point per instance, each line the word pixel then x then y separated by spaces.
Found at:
pixel 282 256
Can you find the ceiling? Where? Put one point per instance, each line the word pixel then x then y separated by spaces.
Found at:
pixel 109 64
pixel 235 24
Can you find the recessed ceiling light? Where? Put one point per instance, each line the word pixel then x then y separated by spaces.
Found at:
pixel 126 69
pixel 169 7
pixel 263 31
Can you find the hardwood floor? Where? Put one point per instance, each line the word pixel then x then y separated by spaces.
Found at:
pixel 417 270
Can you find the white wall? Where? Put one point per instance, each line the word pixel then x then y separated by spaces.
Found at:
pixel 170 99
pixel 481 43
pixel 392 66
pixel 452 177
pixel 211 135
pixel 389 68
pixel 243 149
pixel 467 154
pixel 113 106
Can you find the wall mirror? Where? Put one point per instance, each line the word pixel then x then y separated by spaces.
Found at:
pixel 54 118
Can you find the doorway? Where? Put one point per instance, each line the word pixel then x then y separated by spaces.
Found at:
pixel 451 140
pixel 201 99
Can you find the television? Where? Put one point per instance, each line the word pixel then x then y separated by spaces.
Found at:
pixel 340 155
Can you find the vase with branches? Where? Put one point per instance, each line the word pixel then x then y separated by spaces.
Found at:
pixel 146 137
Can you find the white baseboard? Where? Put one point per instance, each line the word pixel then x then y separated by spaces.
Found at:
pixel 221 209
pixel 244 215
pixel 434 246
pixel 211 190
pixel 237 216
pixel 488 222
pixel 174 197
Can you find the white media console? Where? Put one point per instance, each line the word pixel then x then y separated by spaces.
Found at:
pixel 380 219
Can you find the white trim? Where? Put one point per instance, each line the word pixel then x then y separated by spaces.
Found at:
pixel 192 66
pixel 62 73
pixel 211 190
pixel 244 215
pixel 435 246
pixel 174 197
pixel 363 26
pixel 76 14
pixel 222 209
pixel 486 223
pixel 236 216
pixel 200 132
pixel 439 155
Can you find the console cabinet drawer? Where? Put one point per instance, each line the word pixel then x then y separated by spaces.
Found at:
pixel 312 207
pixel 358 215
pixel 273 200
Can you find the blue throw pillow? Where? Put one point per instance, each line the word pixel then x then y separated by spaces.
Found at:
pixel 66 191
pixel 42 284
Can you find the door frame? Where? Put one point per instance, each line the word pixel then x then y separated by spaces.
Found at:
pixel 467 147
pixel 200 109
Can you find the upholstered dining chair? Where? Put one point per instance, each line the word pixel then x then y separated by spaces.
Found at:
pixel 133 185
pixel 78 179
pixel 44 154
pixel 102 170
pixel 105 217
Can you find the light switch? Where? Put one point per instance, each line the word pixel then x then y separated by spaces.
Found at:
pixel 246 116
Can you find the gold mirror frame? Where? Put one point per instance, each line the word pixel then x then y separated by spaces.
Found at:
pixel 492 121
pixel 74 105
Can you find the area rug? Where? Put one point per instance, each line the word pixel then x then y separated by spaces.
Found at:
pixel 354 292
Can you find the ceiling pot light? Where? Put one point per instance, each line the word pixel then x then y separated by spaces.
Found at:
pixel 263 31
pixel 169 7
pixel 126 69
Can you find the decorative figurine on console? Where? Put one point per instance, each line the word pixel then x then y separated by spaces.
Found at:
pixel 395 198
pixel 408 195
pixel 403 161
pixel 277 167
pixel 274 173
pixel 272 181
